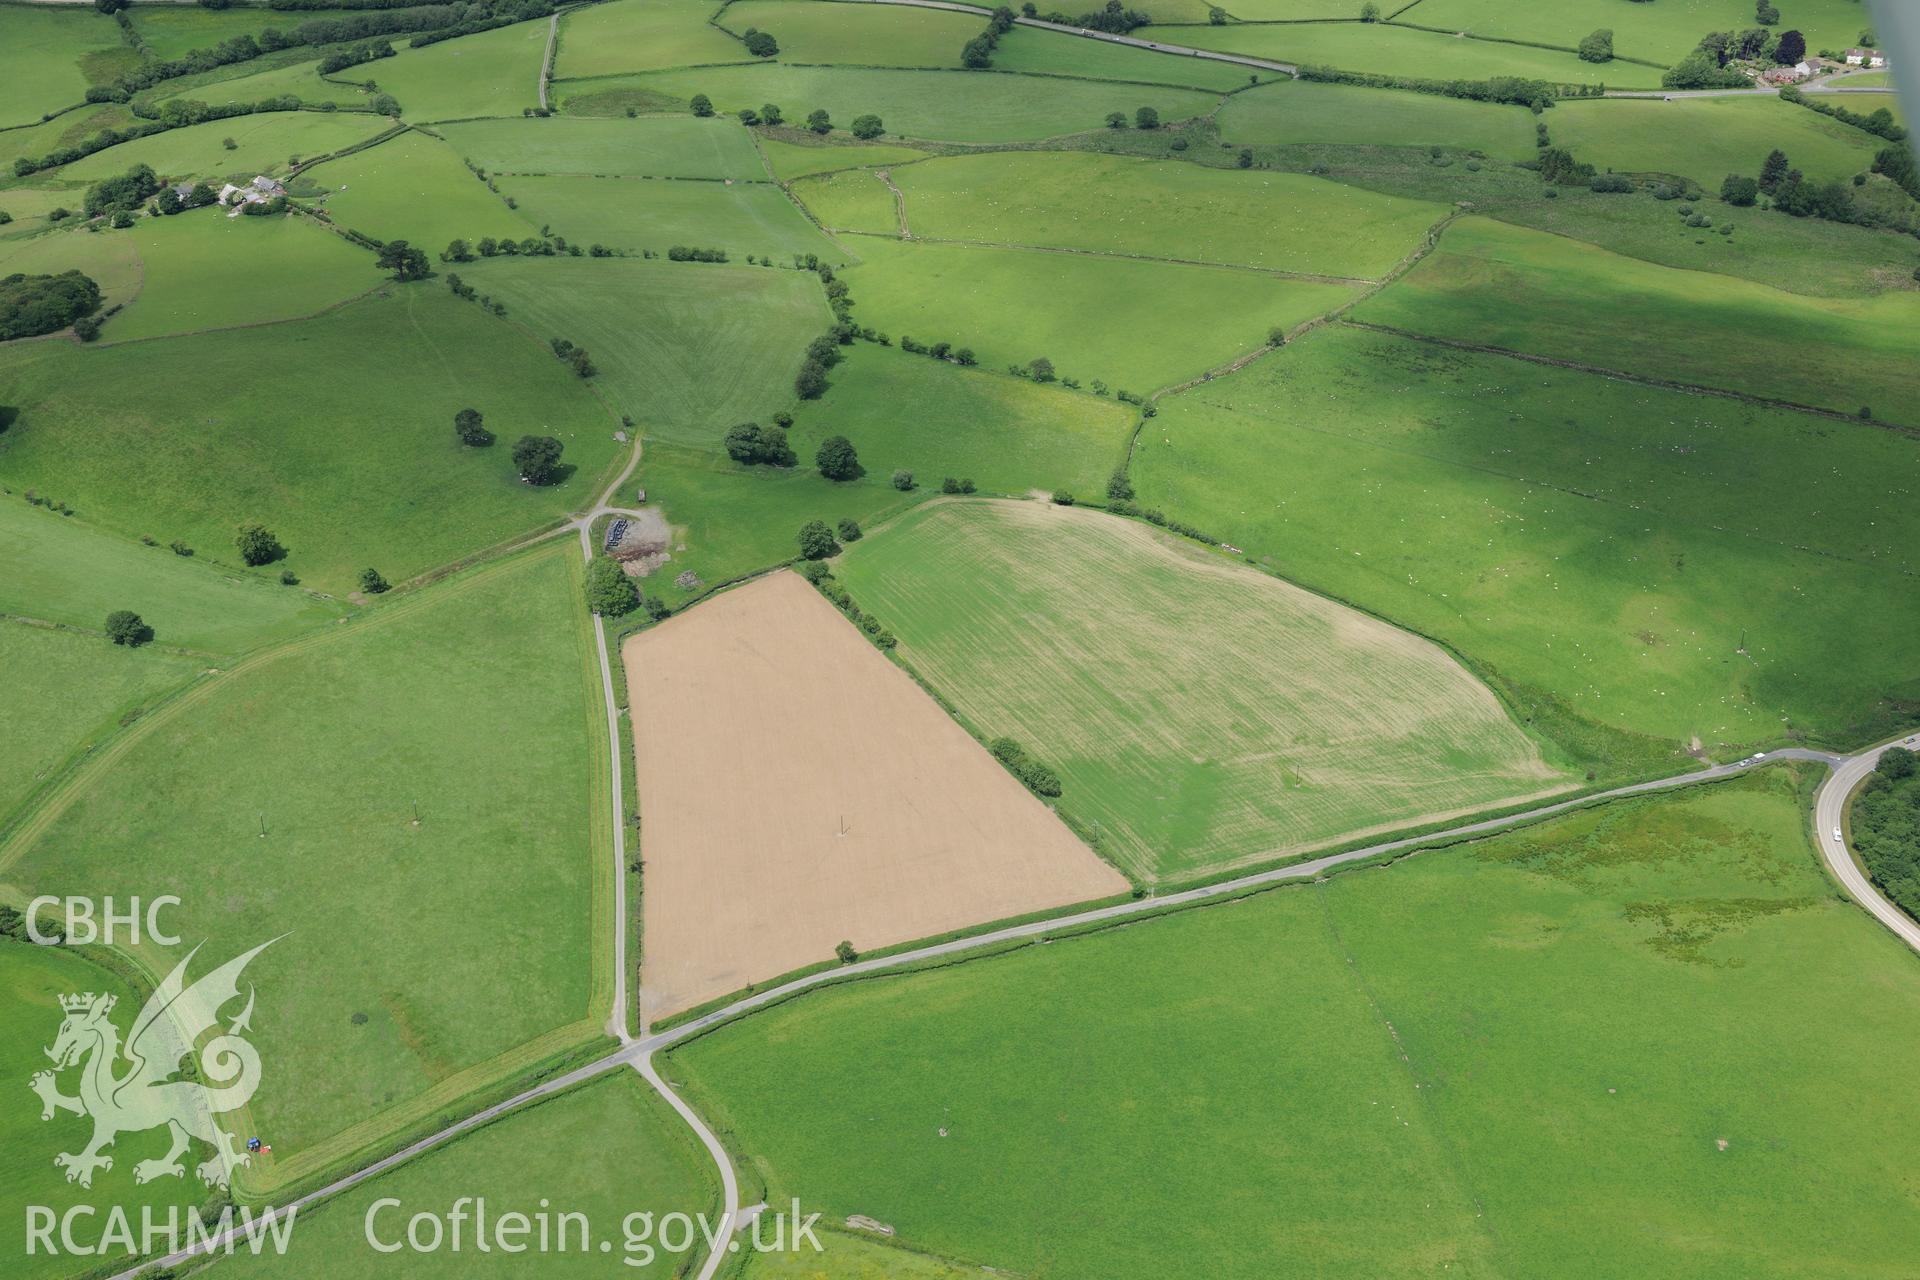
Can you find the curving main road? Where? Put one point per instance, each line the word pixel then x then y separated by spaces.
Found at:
pixel 1829 817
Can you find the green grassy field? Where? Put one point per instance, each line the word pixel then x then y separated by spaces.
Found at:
pixel 1664 33
pixel 1409 1029
pixel 174 30
pixel 1163 209
pixel 494 73
pixel 640 1159
pixel 1871 80
pixel 263 143
pixel 846 1256
pixel 301 79
pixel 850 200
pixel 958 106
pixel 204 270
pixel 51 55
pixel 1705 139
pixel 64 130
pixel 61 569
pixel 797 160
pixel 1137 325
pixel 82 686
pixel 111 260
pixel 1034 52
pixel 641 35
pixel 643 213
pixel 661 331
pixel 415 188
pixel 1523 290
pixel 657 147
pixel 859 35
pixel 357 469
pixel 1294 723
pixel 1384 49
pixel 1606 550
pixel 730 520
pixel 1292 111
pixel 412 953
pixel 915 413
pixel 32 980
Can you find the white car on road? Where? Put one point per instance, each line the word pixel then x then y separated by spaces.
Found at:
pixel 1836 835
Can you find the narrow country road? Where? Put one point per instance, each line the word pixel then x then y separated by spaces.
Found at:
pixel 1846 772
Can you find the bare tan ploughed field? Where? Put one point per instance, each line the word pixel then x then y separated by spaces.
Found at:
pixel 797 789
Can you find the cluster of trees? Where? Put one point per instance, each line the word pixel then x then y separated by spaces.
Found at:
pixel 816 572
pixel 767 114
pixel 1558 167
pixel 1154 516
pixel 1528 93
pixel 760 44
pixel 257 545
pixel 1791 193
pixel 405 261
pixel 1709 65
pixel 612 594
pixel 537 458
pixel 978 53
pixel 32 305
pixel 681 253
pixel 753 445
pixel 1114 18
pixel 1886 827
pixel 957 484
pixel 355 56
pixel 822 354
pixel 123 193
pixel 1597 47
pixel 1897 164
pixel 198 196
pixel 939 351
pixel 1144 118
pixel 469 427
pixel 1040 780
pixel 574 357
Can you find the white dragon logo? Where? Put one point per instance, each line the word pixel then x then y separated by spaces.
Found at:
pixel 151 1092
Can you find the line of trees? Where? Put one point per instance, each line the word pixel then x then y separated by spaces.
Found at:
pixel 978 53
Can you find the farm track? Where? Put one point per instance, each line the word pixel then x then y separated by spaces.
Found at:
pixel 1637 379
pixel 1845 772
pixel 1278 272
pixel 899 202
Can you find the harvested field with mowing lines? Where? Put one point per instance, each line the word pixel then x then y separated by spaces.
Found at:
pixel 1705 139
pixel 937 419
pixel 861 35
pixel 382 1009
pixel 950 106
pixel 639 1159
pixel 646 213
pixel 659 331
pixel 1505 286
pixel 32 980
pixel 641 35
pixel 1296 111
pixel 1202 714
pixel 415 188
pixel 203 270
pixel 1667 564
pixel 655 147
pixel 65 571
pixel 263 143
pixel 1601 1007
pixel 874 818
pixel 1137 325
pixel 352 471
pixel 1163 209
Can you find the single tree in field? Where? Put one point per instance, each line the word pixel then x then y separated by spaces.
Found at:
pixel 1764 13
pixel 844 951
pixel 537 458
pixel 749 117
pixel 837 459
pixel 1598 47
pixel 1369 12
pixel 761 45
pixel 816 540
pixel 702 105
pixel 126 627
pixel 1041 370
pixel 819 121
pixel 371 582
pixel 1773 171
pixel 1245 159
pixel 850 531
pixel 469 427
pixel 610 592
pixel 1116 119
pixel 256 545
pixel 405 261
pixel 1739 189
pixel 1119 488
pixel 868 127
pixel 771 113
pixel 1792 48
pixel 903 481
pixel 1146 118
